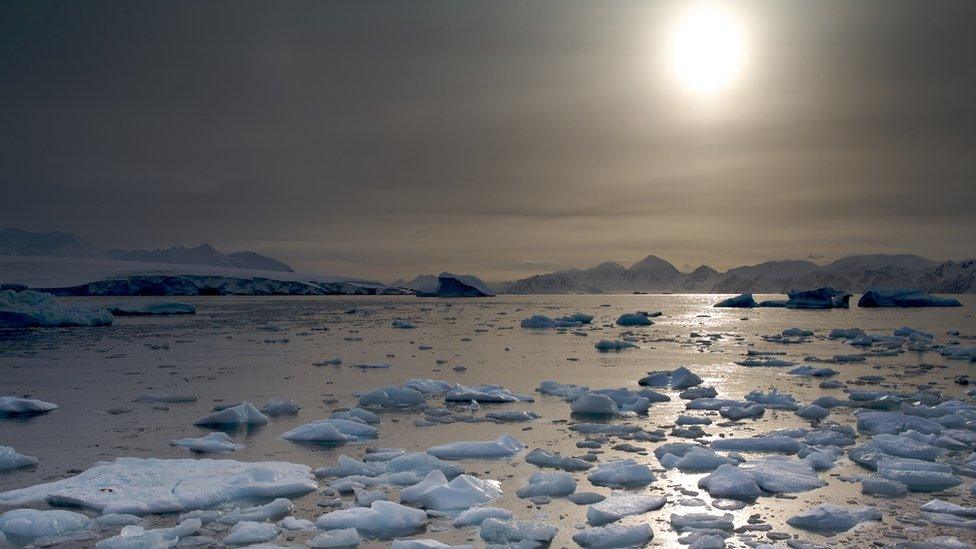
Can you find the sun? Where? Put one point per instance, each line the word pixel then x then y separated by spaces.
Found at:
pixel 706 49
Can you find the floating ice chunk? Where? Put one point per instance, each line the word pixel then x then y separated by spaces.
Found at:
pixel 904 297
pixel 280 407
pixel 11 459
pixel 118 519
pixel 622 504
pixel 477 515
pixel 136 537
pixel 159 308
pixel 543 458
pixel 484 393
pixel 512 416
pixel 918 475
pixel 540 322
pixel 242 414
pixel 737 411
pixel 797 332
pixel 464 492
pixel 248 532
pixel 634 319
pixel 595 404
pixel 214 442
pixel 781 475
pixel 142 486
pixel 365 498
pixel 503 446
pixel 331 431
pixel 373 365
pixel 700 459
pixel 730 482
pixel 392 396
pixel 939 506
pixel 821 298
pixel 613 345
pixel 767 443
pixel 765 362
pixel 13 406
pixel 166 398
pixel 812 411
pixel 295 524
pixel 356 414
pixel 831 518
pixel 23 526
pixel 566 391
pixel 516 533
pixel 774 399
pixel 382 519
pixel 27 309
pixel 546 483
pixel 613 536
pixel 401 324
pixel 701 521
pixel 819 461
pixel 877 422
pixel 343 538
pixel 621 472
pixel 811 371
pixel 270 511
pixel 876 486
pixel 741 301
pixel 425 544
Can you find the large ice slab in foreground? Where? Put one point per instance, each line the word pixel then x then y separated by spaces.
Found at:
pixel 29 309
pixel 141 486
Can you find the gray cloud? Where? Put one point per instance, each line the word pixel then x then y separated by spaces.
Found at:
pixel 388 138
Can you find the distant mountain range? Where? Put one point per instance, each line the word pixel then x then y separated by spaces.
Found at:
pixel 58 244
pixel 853 274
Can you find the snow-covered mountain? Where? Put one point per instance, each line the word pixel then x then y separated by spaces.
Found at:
pixel 421 283
pixel 58 244
pixel 854 274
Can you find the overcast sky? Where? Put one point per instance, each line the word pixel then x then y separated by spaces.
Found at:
pixel 501 138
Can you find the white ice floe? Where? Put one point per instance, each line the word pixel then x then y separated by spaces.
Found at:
pixel 277 407
pixel 548 483
pixel 382 519
pixel 613 345
pixel 610 402
pixel 392 396
pixel 295 524
pixel 766 443
pixel 680 378
pixel 621 472
pixel 614 536
pixel 27 309
pixel 730 482
pixel 13 406
pixel 331 431
pixel 137 537
pixel 425 544
pixel 517 533
pixel 693 459
pixel 157 308
pixel 779 474
pixel 214 442
pixel 461 493
pixel 831 518
pixel 142 486
pixel 484 393
pixel 774 399
pixel 503 446
pixel 356 414
pixel 272 510
pixel 918 475
pixel 878 422
pixel 542 458
pixel 249 532
pixel 343 538
pixel 242 414
pixel 23 526
pixel 622 504
pixel 11 459
pixel 477 515
pixel 701 521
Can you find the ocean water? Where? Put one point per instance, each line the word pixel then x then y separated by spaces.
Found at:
pixel 253 349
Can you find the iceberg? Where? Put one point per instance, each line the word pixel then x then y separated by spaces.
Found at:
pixel 730 482
pixel 331 431
pixel 502 447
pixel 214 442
pixel 248 532
pixel 549 484
pixel 392 397
pixel 831 518
pixel 477 515
pixel 29 309
pixel 453 285
pixel 382 519
pixel 620 473
pixel 821 298
pixel 23 526
pixel 918 475
pixel 277 407
pixel 904 297
pixel 614 345
pixel 516 533
pixel 143 486
pixel 634 319
pixel 765 443
pixel 13 406
pixel 622 504
pixel 614 536
pixel 542 458
pixel 781 475
pixel 242 414
pixel 163 308
pixel 741 301
pixel 464 492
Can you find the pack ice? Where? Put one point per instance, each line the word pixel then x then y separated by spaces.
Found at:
pixel 143 486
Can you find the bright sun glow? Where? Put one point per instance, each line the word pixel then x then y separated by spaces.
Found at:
pixel 707 49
